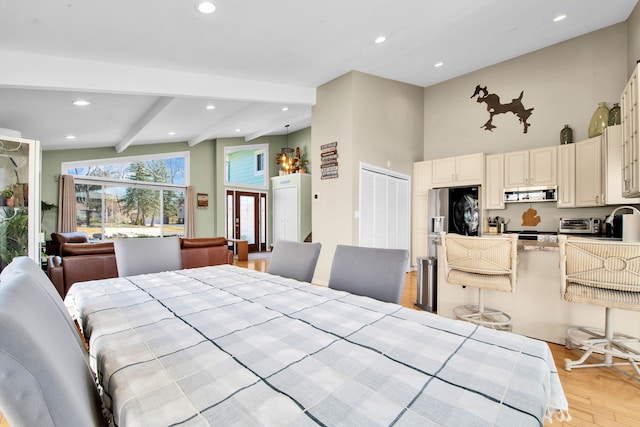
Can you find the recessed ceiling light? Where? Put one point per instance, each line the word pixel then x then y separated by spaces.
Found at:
pixel 559 18
pixel 285 108
pixel 380 39
pixel 172 133
pixel 237 130
pixel 205 7
pixel 211 107
pixel 81 103
pixel 438 64
pixel 70 137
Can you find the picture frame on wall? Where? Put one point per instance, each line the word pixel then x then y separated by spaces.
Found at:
pixel 202 200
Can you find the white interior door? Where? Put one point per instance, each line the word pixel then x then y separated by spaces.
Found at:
pixel 285 213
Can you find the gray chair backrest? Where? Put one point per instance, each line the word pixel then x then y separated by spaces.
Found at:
pixel 295 260
pixel 147 255
pixel 46 380
pixel 40 283
pixel 372 272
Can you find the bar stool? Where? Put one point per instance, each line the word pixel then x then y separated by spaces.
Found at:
pixel 486 263
pixel 606 274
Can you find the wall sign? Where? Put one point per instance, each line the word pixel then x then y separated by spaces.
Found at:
pixel 329 160
pixel 495 107
pixel 203 200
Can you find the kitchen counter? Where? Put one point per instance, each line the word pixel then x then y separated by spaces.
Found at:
pixel 549 241
pixel 536 307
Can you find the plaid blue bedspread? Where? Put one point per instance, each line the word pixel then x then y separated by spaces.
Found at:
pixel 230 346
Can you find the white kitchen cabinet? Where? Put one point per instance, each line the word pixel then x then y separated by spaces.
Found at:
pixel 630 141
pixel 494 182
pixel 422 172
pixel 612 174
pixel 567 176
pixel 589 190
pixel 531 168
pixel 291 206
pixel 459 170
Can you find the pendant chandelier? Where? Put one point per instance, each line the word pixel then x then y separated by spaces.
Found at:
pixel 286 155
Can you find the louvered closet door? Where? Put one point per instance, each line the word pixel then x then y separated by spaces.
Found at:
pixel 384 209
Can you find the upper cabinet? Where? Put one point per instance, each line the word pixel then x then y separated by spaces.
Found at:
pixel 567 176
pixel 612 167
pixel 630 142
pixel 494 182
pixel 457 171
pixel 530 168
pixel 589 171
pixel 588 184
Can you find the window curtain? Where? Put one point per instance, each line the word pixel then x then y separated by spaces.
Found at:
pixel 190 232
pixel 67 204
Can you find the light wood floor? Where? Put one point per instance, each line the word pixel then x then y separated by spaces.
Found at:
pixel 597 396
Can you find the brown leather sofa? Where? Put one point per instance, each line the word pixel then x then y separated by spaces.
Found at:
pixel 57 239
pixel 79 262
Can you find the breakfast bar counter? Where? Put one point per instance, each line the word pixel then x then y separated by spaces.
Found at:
pixel 536 307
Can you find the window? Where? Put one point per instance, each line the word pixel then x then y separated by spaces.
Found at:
pixel 246 166
pixel 131 197
pixel 259 169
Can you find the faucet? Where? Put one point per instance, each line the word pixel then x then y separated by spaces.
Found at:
pixel 609 219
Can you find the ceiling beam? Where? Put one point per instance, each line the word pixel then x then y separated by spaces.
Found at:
pixel 276 126
pixel 37 71
pixel 162 103
pixel 205 134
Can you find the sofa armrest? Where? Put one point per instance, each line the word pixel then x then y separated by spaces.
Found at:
pixel 56 273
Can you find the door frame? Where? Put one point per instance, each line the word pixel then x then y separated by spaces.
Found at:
pixel 260 217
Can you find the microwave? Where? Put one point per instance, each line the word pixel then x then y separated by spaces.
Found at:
pixel 579 225
pixel 530 194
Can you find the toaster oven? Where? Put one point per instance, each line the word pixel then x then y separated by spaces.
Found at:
pixel 579 225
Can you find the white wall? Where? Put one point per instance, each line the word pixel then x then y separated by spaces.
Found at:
pixel 563 83
pixel 375 121
pixel 633 39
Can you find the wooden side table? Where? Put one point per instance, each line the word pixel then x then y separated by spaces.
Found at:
pixel 241 248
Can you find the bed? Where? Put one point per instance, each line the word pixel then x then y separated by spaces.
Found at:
pixel 226 345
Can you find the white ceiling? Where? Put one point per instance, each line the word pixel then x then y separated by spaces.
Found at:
pixel 150 67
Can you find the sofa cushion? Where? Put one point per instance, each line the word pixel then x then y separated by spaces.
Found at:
pixel 202 242
pixel 72 249
pixel 71 237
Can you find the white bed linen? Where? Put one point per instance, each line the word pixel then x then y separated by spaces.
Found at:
pixel 226 345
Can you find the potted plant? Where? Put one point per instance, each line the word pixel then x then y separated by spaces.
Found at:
pixel 8 195
pixel 303 162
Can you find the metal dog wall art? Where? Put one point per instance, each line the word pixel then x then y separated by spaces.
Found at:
pixel 495 107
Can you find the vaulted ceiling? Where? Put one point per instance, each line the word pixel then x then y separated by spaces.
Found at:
pixel 150 68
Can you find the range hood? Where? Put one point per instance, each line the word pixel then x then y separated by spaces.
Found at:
pixel 531 194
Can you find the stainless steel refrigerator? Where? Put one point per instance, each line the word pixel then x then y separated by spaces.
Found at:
pixel 453 210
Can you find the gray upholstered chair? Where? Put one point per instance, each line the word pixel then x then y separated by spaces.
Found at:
pixel 147 255
pixel 605 274
pixel 486 263
pixel 373 272
pixel 295 260
pixel 40 284
pixel 46 379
